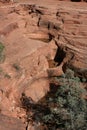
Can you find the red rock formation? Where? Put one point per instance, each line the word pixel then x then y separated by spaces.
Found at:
pixel 10 123
pixel 41 40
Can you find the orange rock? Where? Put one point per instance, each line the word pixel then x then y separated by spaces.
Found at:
pixel 58 32
pixel 10 123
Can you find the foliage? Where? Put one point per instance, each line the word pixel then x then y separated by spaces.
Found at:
pixel 6 75
pixel 16 66
pixel 70 112
pixel 1 47
pixel 63 109
pixel 2 56
pixel 1 70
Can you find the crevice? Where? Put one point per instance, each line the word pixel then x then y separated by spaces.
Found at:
pixel 60 55
pixel 27 127
pixel 50 36
pixel 38 23
pixel 64 67
pixel 39 12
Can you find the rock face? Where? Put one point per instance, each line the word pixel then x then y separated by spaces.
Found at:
pixel 9 123
pixel 67 26
pixel 40 40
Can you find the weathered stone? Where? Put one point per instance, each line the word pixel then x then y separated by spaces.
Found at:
pixel 43 36
pixel 10 123
pixel 37 89
pixel 6 30
pixel 58 32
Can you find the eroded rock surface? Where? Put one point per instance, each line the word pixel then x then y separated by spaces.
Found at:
pixel 40 40
pixel 9 123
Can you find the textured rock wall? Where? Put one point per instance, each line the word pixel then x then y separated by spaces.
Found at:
pixel 67 26
pixel 41 40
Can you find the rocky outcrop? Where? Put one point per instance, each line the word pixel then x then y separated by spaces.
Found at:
pixel 67 27
pixel 41 40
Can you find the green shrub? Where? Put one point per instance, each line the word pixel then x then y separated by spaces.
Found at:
pixel 70 112
pixel 1 47
pixel 2 56
pixel 16 66
pixel 1 70
pixel 6 75
pixel 64 109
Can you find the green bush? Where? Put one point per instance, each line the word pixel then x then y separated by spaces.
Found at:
pixel 16 66
pixel 63 109
pixel 70 112
pixel 2 56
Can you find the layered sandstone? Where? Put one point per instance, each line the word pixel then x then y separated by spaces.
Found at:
pixel 41 40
